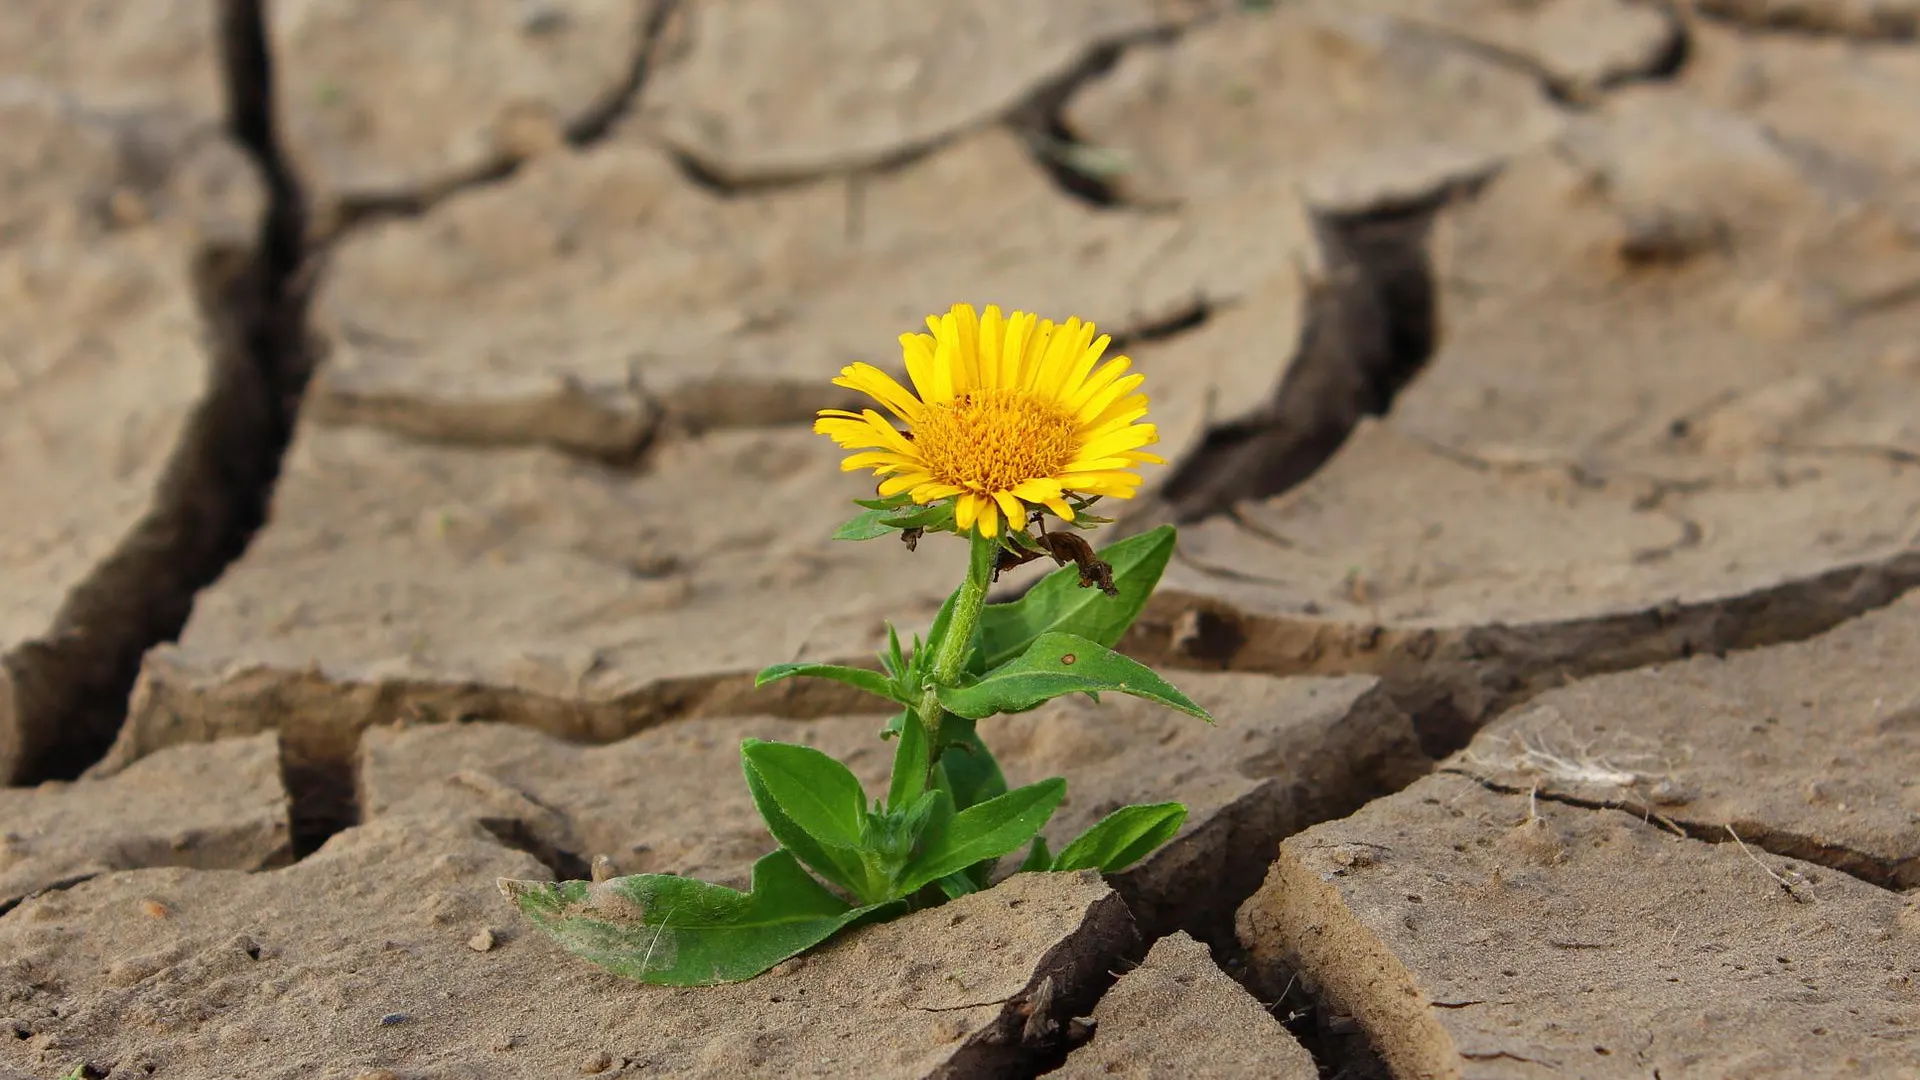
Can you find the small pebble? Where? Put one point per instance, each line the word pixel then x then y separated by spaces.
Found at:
pixel 503 1042
pixel 394 1018
pixel 154 909
pixel 376 1074
pixel 597 1062
pixel 481 941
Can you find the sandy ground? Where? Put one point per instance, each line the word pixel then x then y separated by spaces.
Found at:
pixel 407 467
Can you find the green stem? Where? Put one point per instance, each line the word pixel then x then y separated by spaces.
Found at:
pixel 950 656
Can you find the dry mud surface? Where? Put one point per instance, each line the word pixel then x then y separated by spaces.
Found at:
pixel 1541 387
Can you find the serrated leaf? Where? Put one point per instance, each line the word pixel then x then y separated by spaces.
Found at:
pixel 1058 603
pixel 1056 665
pixel 675 931
pixel 1122 838
pixel 837 863
pixel 873 682
pixel 986 831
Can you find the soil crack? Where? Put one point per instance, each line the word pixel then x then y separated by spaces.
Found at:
pixel 586 130
pixel 1820 20
pixel 1371 325
pixel 1890 875
pixel 71 689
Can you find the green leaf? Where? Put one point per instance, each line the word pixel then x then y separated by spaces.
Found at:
pixel 971 773
pixel 888 503
pixel 866 525
pixel 1058 664
pixel 818 793
pixel 874 523
pixel 1058 603
pixel 1038 857
pixel 912 757
pixel 1122 838
pixel 893 661
pixel 873 682
pixel 837 863
pixel 986 831
pixel 958 885
pixel 659 928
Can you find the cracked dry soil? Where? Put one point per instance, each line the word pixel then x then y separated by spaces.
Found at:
pixel 384 389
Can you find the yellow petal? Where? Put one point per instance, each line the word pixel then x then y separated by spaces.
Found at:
pixel 1016 513
pixel 932 490
pixel 1117 415
pixel 1113 392
pixel 989 517
pixel 946 356
pixel 1039 489
pixel 881 461
pixel 881 387
pixel 966 366
pixel 917 350
pixel 850 434
pixel 894 485
pixel 964 509
pixel 1055 359
pixel 1127 438
pixel 1076 376
pixel 884 435
pixel 993 333
pixel 1038 342
pixel 1020 326
pixel 1046 492
pixel 1071 473
pixel 1119 485
pixel 1097 382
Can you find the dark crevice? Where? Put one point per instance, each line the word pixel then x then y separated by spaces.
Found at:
pixel 61 885
pixel 1340 1048
pixel 1891 875
pixel 1338 1045
pixel 322 800
pixel 70 690
pixel 1179 322
pixel 1371 324
pixel 1453 680
pixel 1041 121
pixel 1669 64
pixel 1812 17
pixel 704 177
pixel 517 834
pixel 588 129
pixel 597 123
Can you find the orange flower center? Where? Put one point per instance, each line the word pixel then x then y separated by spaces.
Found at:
pixel 994 440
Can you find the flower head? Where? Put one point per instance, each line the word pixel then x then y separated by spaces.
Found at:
pixel 1005 414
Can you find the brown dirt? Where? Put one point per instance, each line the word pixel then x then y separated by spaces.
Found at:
pixel 1177 1014
pixel 1478 934
pixel 1539 380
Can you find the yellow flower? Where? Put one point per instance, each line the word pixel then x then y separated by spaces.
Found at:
pixel 1007 413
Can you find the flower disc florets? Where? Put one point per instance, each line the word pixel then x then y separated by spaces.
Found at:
pixel 1005 414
